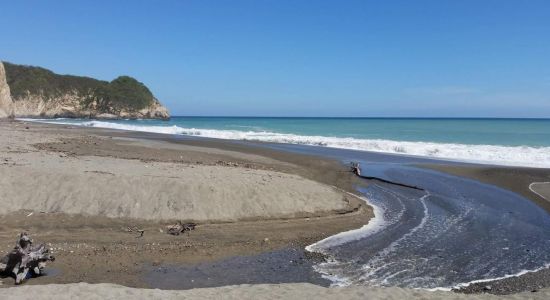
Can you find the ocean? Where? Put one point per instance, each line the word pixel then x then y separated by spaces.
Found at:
pixel 515 142
pixel 446 233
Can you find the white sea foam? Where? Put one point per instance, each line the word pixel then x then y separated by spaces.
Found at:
pixel 466 284
pixel 394 244
pixel 490 154
pixel 374 225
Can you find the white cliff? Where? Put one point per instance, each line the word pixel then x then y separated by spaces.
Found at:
pixel 6 103
pixel 66 102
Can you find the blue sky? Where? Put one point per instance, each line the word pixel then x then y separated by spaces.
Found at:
pixel 300 58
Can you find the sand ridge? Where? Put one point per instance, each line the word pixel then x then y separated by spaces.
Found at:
pixel 47 160
pixel 541 188
pixel 113 187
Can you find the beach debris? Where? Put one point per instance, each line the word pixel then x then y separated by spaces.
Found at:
pixel 355 168
pixel 178 228
pixel 25 260
pixel 136 229
pixel 227 163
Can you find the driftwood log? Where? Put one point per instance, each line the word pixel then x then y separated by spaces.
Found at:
pixel 180 228
pixel 25 260
pixel 355 168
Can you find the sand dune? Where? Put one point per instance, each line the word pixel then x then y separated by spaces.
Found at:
pixel 131 189
pixel 114 187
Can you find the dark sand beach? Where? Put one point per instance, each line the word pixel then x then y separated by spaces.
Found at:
pixel 93 246
pixel 517 180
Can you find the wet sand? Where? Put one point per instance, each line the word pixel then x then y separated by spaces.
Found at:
pixel 514 179
pixel 97 249
pixel 542 189
pixel 518 180
pixel 93 246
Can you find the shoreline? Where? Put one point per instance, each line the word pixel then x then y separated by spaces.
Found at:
pixel 89 247
pixel 309 166
pixel 532 156
pixel 517 180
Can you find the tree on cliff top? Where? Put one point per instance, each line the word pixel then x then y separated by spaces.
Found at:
pixel 123 92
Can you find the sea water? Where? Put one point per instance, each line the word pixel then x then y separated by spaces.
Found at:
pixel 447 232
pixel 516 142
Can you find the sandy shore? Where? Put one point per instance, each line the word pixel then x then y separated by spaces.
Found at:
pixel 542 189
pixel 81 189
pixel 260 291
pixel 153 190
pixel 516 179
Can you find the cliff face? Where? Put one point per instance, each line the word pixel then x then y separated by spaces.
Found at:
pixel 69 105
pixel 37 92
pixel 6 103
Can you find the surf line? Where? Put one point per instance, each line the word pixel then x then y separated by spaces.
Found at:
pixel 356 169
pixel 535 183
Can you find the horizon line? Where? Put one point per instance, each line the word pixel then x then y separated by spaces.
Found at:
pixel 355 117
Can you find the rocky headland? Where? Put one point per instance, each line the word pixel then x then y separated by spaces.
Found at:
pixel 35 92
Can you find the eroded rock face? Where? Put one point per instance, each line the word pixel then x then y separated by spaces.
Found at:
pixel 6 103
pixel 71 103
pixel 69 106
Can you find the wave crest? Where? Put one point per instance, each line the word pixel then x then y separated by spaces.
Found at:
pixel 492 154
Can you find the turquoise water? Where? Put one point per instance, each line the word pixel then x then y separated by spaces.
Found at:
pixel 451 232
pixel 506 132
pixel 522 142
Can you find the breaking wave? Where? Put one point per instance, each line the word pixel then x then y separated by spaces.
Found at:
pixel 490 154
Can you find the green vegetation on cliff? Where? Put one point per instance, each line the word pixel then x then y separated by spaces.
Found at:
pixel 123 92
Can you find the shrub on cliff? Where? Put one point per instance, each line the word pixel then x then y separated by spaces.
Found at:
pixel 125 91
pixel 122 93
pixel 25 80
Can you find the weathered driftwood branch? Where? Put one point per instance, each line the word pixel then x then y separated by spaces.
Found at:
pixel 355 168
pixel 180 227
pixel 25 260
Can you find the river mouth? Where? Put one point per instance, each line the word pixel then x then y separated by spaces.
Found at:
pixel 450 232
pixel 445 234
